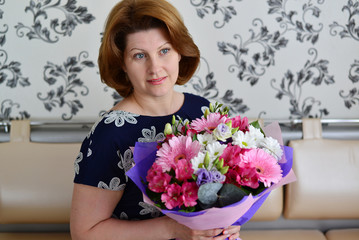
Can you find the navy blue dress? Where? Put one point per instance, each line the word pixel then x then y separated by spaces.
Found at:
pixel 105 155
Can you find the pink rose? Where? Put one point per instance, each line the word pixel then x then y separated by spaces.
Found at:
pixel 172 196
pixel 231 155
pixel 189 194
pixel 183 170
pixel 157 180
pixel 242 124
pixel 233 177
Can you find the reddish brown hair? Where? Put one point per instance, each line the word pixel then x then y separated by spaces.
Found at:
pixel 130 16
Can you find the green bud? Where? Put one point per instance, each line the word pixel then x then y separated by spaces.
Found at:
pixel 220 164
pixel 211 109
pixel 224 170
pixel 206 113
pixel 206 160
pixel 168 129
pixel 173 120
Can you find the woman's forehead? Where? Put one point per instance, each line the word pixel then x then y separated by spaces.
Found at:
pixel 149 39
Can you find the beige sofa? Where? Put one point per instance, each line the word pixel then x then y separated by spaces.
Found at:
pixel 36 187
pixel 35 183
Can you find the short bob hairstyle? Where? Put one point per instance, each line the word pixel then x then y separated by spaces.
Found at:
pixel 130 16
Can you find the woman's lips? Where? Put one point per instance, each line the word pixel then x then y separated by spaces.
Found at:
pixel 157 81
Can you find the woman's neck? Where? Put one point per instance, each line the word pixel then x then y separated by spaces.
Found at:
pixel 154 106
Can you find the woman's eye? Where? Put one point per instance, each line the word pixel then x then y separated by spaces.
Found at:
pixel 165 51
pixel 139 55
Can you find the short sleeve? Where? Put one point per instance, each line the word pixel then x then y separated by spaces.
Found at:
pixel 100 162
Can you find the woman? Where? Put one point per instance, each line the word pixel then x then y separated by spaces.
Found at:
pixel 146 50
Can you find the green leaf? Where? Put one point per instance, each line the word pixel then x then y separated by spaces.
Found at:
pixel 207 193
pixel 187 209
pixel 156 198
pixel 257 125
pixel 230 194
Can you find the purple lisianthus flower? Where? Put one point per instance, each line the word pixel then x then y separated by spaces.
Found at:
pixel 217 176
pixel 204 176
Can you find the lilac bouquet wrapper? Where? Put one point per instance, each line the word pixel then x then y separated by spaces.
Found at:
pixel 238 213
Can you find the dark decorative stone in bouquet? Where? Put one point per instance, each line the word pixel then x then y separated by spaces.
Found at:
pixel 219 195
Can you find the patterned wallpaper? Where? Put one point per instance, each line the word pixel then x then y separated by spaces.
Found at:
pixel 277 59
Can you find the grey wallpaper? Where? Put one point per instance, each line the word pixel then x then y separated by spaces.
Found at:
pixel 274 59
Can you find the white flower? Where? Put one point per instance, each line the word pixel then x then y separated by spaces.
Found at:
pixel 272 146
pixel 256 134
pixel 215 150
pixel 205 139
pixel 197 160
pixel 244 140
pixel 222 132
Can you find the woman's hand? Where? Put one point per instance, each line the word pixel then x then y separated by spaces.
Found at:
pixel 182 232
pixel 233 232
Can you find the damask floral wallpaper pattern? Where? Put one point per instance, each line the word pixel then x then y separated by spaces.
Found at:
pixel 275 59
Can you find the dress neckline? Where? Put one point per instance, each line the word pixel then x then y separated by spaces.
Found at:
pixel 169 115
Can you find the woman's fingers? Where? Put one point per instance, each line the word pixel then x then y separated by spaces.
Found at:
pixel 232 232
pixel 212 232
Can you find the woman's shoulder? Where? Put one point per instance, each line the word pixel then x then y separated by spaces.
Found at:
pixel 113 122
pixel 191 99
pixel 193 107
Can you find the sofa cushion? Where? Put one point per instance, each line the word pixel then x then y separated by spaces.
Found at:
pixel 36 179
pixel 343 234
pixel 327 185
pixel 281 235
pixel 272 207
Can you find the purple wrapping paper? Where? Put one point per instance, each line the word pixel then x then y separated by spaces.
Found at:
pixel 234 214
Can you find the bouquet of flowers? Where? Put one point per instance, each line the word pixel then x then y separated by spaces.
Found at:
pixel 211 167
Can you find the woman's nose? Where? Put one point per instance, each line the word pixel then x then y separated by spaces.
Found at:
pixel 153 65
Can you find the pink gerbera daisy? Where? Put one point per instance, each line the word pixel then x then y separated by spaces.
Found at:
pixel 208 124
pixel 181 147
pixel 267 167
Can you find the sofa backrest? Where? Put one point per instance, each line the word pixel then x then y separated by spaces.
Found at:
pixel 35 178
pixel 36 181
pixel 272 207
pixel 327 171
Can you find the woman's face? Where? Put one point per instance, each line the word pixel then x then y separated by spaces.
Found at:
pixel 151 62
